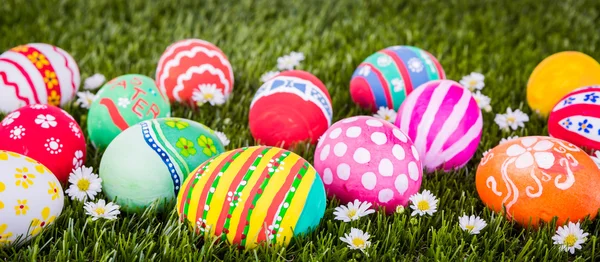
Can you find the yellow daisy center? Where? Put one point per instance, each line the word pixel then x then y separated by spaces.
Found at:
pixel 387 117
pixel 472 83
pixel 208 96
pixel 570 240
pixel 83 184
pixel 423 205
pixel 470 227
pixel 358 242
pixel 351 213
pixel 100 211
pixel 511 119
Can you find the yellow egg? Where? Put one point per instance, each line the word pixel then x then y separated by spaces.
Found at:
pixel 557 75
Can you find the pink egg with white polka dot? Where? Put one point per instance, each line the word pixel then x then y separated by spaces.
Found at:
pixel 368 159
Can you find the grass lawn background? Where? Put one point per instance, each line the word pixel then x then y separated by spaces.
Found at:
pixel 504 40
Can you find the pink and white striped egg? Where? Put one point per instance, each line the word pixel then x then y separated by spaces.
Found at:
pixel 368 159
pixel 445 123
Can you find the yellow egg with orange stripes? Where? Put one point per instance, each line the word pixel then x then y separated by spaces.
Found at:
pixel 253 196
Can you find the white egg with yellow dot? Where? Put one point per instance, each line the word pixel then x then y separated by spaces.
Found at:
pixel 31 198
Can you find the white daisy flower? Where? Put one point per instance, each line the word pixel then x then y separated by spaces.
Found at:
pixel 357 239
pixel 386 114
pixel 353 211
pixel 268 75
pixel 85 99
pixel 512 119
pixel 596 158
pixel 287 62
pixel 298 56
pixel 423 203
pixel 485 153
pixel 570 237
pixel 208 93
pixel 473 82
pixel 94 81
pixel 483 101
pixel 504 140
pixel 223 138
pixel 124 102
pixel 471 224
pixel 98 210
pixel 84 184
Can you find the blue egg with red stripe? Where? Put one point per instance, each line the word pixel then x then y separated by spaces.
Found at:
pixel 386 77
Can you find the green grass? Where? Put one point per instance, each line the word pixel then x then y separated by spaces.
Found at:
pixel 504 40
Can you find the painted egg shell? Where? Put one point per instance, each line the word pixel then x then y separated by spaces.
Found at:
pixel 37 74
pixel 368 159
pixel 536 178
pixel 191 64
pixel 388 76
pixel 444 122
pixel 292 107
pixel 557 75
pixel 148 162
pixel 121 103
pixel 576 118
pixel 252 196
pixel 31 198
pixel 47 134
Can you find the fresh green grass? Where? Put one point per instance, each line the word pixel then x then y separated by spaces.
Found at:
pixel 504 40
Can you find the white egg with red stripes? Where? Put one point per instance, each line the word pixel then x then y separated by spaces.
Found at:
pixel 37 74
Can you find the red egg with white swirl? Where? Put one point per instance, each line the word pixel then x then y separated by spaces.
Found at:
pixel 188 65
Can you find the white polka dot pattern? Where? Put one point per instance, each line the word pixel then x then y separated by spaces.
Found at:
pixel 343 171
pixel 324 153
pixel 327 176
pixel 335 133
pixel 362 156
pixel 378 138
pixel 369 180
pixel 353 132
pixel 340 149
pixel 368 159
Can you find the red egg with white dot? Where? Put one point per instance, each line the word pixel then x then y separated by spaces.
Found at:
pixel 368 159
pixel 47 134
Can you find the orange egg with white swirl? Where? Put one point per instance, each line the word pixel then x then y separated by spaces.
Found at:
pixel 536 178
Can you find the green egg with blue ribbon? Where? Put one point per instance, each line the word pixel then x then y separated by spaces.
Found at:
pixel 148 162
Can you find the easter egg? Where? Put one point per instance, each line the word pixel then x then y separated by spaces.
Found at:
pixel 191 64
pixel 47 134
pixel 253 196
pixel 576 118
pixel 368 159
pixel 148 162
pixel 388 76
pixel 537 178
pixel 444 122
pixel 292 107
pixel 37 74
pixel 121 103
pixel 557 75
pixel 31 198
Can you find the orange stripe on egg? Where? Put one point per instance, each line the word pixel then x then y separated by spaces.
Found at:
pixel 46 70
